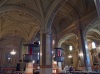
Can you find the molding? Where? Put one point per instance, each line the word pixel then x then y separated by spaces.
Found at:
pixel 39 5
pixel 3 2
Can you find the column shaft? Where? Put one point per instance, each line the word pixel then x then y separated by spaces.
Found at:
pixel 45 53
pixel 84 53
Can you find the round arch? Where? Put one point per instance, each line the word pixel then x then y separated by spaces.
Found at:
pixel 92 24
pixel 92 27
pixel 70 43
pixel 94 30
pixel 51 14
pixel 65 37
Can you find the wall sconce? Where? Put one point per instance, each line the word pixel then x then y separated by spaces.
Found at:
pixel 69 56
pixel 54 62
pixel 33 61
pixel 70 48
pixel 81 54
pixel 53 42
pixel 93 45
pixel 39 42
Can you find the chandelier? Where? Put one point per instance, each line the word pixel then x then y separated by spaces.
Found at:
pixel 13 52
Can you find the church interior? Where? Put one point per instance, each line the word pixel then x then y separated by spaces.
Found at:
pixel 45 36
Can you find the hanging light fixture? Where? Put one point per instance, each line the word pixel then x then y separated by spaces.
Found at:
pixel 13 52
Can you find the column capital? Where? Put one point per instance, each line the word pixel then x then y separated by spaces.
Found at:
pixel 47 31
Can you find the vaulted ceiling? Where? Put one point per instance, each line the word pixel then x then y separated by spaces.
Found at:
pixel 24 23
pixel 22 19
pixel 71 11
pixel 26 16
pixel 23 16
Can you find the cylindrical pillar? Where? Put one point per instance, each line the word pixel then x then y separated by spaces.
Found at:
pixel 45 52
pixel 84 52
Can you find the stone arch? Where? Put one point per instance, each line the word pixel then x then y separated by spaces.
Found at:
pixel 64 38
pixel 94 23
pixel 66 52
pixel 52 12
pixel 70 43
pixel 50 18
pixel 92 29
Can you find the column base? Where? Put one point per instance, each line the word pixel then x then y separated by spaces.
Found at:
pixel 89 69
pixel 29 68
pixel 45 69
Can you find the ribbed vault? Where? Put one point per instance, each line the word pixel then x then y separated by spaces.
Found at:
pixel 70 12
pixel 24 23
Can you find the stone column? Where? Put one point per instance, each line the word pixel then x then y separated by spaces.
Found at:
pixel 21 51
pixel 75 59
pixel 45 52
pixel 1 57
pixel 97 4
pixel 84 52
